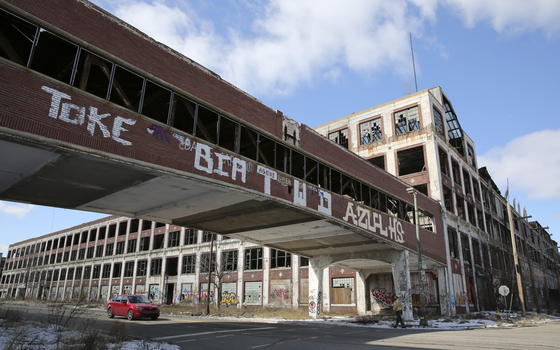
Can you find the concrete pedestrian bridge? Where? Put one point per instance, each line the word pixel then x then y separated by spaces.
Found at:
pixel 96 116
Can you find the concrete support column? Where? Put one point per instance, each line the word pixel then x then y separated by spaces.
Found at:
pixel 361 292
pixel 401 278
pixel 316 267
pixel 295 281
pixel 447 308
pixel 240 270
pixel 474 274
pixel 464 279
pixel 266 276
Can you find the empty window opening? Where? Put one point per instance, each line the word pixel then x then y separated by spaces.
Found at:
pixel 190 236
pixel 159 224
pixel 248 143
pixel 93 74
pixel 126 89
pixel 340 137
pixel 207 125
pixel 183 114
pixel 84 237
pixel 16 38
pixel 456 172
pixel 311 171
pixel 131 247
pixel 117 267
pixel 134 225
pixel 158 241
pixel 266 151
pixel 228 134
pixel 144 243
pixel 156 102
pixel 298 165
pixel 460 206
pixel 280 258
pixel 112 230
pixel 470 155
pixel 207 263
pixel 76 239
pixel 188 264
pixel 54 57
pixel 253 259
pixel 109 249
pixel 282 162
pixel 443 161
pixel 102 231
pixel 470 210
pixel 324 176
pixel 335 181
pixel 407 120
pixel 68 242
pixel 146 225
pixel 466 249
pixel 122 228
pixel 172 266
pixel 208 236
pixel 370 131
pixel 453 243
pixel 448 199
pixel 378 161
pixel 119 248
pixel 411 161
pixel 365 194
pixel 229 260
pixel 423 188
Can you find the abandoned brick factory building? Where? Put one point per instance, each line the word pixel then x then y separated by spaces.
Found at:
pixel 201 177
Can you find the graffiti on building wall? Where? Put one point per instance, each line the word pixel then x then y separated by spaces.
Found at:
pixel 229 298
pixel 373 222
pixel 154 293
pixel 382 296
pixel 315 303
pixel 114 291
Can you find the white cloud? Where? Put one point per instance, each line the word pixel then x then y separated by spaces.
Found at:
pixel 531 162
pixel 291 42
pixel 510 15
pixel 16 209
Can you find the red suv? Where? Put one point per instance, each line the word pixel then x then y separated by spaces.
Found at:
pixel 132 306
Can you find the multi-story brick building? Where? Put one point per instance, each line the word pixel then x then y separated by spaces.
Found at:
pixel 419 139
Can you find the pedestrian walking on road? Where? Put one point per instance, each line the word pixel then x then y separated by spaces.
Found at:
pixel 398 307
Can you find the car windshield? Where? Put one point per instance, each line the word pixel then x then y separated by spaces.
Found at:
pixel 138 299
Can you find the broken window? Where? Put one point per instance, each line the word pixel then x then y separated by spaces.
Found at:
pixel 476 190
pixel 303 261
pixel 443 161
pixel 183 114
pixel 370 131
pixel 228 133
pixel 54 57
pixel 460 206
pixel 63 274
pixel 95 272
pixel 253 259
pixel 448 199
pixel 411 161
pixel 156 102
pixel 16 38
pixel 248 143
pixel 134 223
pixel 207 262
pixel 407 120
pixel 340 137
pixel 426 221
pixel 159 224
pixel 456 172
pixel 126 88
pixel 229 260
pixel 298 165
pixel 378 200
pixel 190 236
pixel 173 239
pixel 93 74
pixel 158 241
pixel 141 268
pixel 155 267
pixel 467 179
pixel 454 130
pixel 131 247
pixel 146 225
pixel 119 249
pixel 423 188
pixel 207 125
pixel 393 206
pixel 109 249
pixel 84 237
pixel 378 161
pixel 128 268
pixel 438 121
pixel 470 211
pixel 106 271
pixel 90 251
pixel 77 238
pixel 365 194
pixel 466 249
pixel 453 243
pixel 266 151
pixel 144 243
pixel 480 221
pixel 208 236
pixel 279 259
pixel 188 264
pixel 470 155
pixel 101 233
pixel 282 158
pixel 87 273
pixel 335 181
pixel 311 170
pixel 324 176
pixel 350 187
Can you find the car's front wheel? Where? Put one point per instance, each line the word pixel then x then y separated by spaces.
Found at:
pixel 155 317
pixel 130 315
pixel 110 313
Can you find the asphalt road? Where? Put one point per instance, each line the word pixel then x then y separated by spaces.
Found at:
pixel 201 333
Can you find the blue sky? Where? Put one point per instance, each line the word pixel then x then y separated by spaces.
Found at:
pixel 321 60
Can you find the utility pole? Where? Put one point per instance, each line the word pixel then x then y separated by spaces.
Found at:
pixel 515 257
pixel 210 272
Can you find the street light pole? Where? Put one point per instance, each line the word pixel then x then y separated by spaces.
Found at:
pixel 414 193
pixel 515 258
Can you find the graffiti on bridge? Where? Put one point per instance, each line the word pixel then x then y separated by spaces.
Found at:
pixel 382 296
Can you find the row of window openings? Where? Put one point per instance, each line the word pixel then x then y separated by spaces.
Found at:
pixel 71 64
pixel 455 169
pixel 190 238
pixel 229 261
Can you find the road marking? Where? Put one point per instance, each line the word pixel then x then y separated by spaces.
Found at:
pixel 185 341
pixel 260 346
pixel 212 332
pixel 223 336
